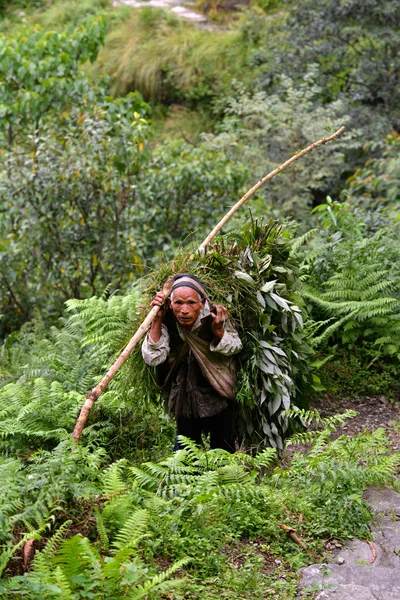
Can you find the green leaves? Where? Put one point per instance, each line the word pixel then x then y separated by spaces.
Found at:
pixel 39 70
pixel 67 185
pixel 353 280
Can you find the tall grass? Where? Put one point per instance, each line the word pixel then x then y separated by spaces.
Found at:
pixel 168 60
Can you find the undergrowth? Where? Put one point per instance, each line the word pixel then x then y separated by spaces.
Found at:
pixel 189 512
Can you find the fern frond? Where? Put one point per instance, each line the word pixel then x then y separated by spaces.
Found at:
pixel 160 583
pixel 42 559
pixel 63 583
pixel 113 482
pixel 133 530
pixel 101 530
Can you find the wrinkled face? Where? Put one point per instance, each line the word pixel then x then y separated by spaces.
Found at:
pixel 186 305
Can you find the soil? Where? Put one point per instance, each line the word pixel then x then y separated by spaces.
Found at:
pixel 372 413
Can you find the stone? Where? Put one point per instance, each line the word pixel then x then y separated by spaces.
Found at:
pixel 383 501
pixel 347 592
pixel 354 576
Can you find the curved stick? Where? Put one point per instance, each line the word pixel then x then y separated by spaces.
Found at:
pixel 238 204
pixel 100 387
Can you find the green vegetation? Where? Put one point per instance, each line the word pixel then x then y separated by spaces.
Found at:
pixel 197 505
pixel 125 135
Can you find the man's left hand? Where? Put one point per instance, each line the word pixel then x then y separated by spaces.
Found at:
pixel 219 315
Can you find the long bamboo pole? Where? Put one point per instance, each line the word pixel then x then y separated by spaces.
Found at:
pixel 100 387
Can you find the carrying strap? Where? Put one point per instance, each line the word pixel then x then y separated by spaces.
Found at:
pixel 218 369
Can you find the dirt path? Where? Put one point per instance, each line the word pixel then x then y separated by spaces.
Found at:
pixel 372 413
pixel 179 7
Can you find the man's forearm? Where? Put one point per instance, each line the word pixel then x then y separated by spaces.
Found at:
pixel 155 331
pixel 156 352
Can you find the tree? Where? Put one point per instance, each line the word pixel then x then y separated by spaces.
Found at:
pixel 39 72
pixel 356 44
pixel 67 185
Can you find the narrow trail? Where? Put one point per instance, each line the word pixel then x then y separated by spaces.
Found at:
pixel 179 7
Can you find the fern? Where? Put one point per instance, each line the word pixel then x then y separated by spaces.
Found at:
pixel 42 559
pixel 353 283
pixel 132 531
pixel 160 583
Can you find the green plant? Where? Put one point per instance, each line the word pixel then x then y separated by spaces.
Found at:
pixel 168 60
pixel 261 128
pixel 181 193
pixel 40 70
pixel 352 280
pixel 46 374
pixel 197 503
pixel 67 184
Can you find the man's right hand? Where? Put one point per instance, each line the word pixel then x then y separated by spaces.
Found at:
pixel 158 299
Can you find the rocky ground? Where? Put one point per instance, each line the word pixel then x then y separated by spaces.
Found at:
pixel 363 570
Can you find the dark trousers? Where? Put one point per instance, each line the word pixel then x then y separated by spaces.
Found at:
pixel 220 428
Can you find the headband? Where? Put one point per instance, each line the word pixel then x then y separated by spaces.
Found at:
pixel 190 281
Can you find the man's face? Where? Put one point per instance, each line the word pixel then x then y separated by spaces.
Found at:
pixel 186 306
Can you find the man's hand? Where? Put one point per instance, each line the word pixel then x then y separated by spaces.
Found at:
pixel 219 315
pixel 158 300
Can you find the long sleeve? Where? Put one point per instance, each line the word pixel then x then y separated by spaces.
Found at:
pixel 230 342
pixel 155 353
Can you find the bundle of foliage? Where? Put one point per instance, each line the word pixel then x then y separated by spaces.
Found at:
pixel 191 508
pixel 250 271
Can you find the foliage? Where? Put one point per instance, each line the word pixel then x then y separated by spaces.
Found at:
pixel 34 493
pixel 194 504
pixel 375 185
pixel 358 51
pixel 40 70
pixel 168 60
pixel 264 129
pixel 67 184
pixel 13 4
pixel 356 373
pixel 46 375
pixel 181 193
pixel 353 281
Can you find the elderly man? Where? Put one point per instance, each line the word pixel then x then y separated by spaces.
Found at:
pixel 192 344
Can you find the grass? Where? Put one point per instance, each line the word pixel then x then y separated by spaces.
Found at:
pixel 169 60
pixel 57 15
pixel 178 121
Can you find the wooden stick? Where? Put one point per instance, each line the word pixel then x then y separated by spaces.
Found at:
pixel 373 557
pixel 100 387
pixel 293 535
pixel 229 214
